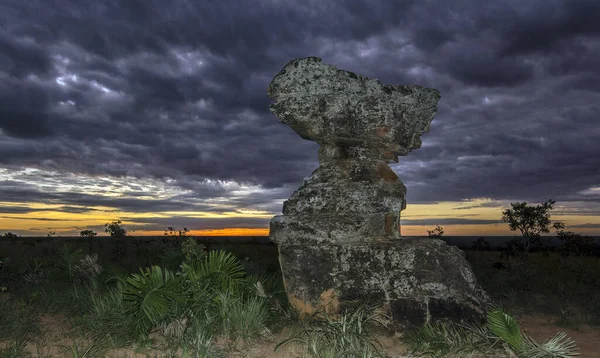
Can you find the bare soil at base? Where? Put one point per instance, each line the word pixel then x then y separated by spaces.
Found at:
pixel 57 336
pixel 542 328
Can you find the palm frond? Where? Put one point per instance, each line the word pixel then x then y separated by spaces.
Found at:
pixel 150 295
pixel 171 258
pixel 501 331
pixel 248 319
pixel 222 269
pixel 441 338
pixel 68 260
pixel 559 346
pixel 88 267
pixel 351 335
pixel 506 328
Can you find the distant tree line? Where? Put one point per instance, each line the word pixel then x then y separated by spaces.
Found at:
pixel 532 222
pixel 114 229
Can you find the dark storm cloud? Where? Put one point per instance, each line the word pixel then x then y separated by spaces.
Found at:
pixel 177 90
pixel 195 223
pixel 21 57
pixel 529 155
pixel 468 207
pixel 430 37
pixel 26 210
pixel 449 221
pixel 16 210
pixel 23 108
pixel 478 65
pixel 587 226
pixel 17 192
pixel 540 28
pixel 36 219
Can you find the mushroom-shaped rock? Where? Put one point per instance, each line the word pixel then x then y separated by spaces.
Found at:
pixel 339 236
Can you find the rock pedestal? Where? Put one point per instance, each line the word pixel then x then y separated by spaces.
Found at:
pixel 339 236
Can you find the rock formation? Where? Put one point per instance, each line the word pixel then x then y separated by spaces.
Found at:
pixel 339 236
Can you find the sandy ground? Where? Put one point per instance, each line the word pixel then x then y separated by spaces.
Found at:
pixel 57 333
pixel 542 328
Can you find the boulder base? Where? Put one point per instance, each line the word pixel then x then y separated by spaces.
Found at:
pixel 412 280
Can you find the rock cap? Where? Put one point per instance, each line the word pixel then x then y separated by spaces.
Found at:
pixel 340 108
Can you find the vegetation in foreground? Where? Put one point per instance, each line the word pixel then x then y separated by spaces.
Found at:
pixel 180 312
pixel 353 334
pixel 564 287
pixel 500 334
pixel 197 304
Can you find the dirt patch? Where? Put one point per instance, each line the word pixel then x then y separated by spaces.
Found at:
pixel 265 348
pixel 55 330
pixel 542 328
pixel 57 335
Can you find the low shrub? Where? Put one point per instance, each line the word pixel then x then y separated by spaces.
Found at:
pixel 500 334
pixel 352 335
pixel 18 320
pixel 564 287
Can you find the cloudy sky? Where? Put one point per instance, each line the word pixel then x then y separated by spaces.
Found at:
pixel 156 112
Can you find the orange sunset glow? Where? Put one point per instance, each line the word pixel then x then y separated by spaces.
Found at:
pixel 45 218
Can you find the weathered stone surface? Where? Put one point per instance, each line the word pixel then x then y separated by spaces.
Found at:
pixel 332 106
pixel 339 235
pixel 414 280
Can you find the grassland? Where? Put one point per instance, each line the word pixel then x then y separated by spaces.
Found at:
pixel 187 303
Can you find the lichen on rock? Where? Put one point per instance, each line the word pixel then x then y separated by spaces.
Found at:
pixel 339 236
pixel 335 107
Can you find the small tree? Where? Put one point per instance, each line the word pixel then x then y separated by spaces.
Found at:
pixel 575 244
pixel 531 221
pixel 192 251
pixel 115 229
pixel 481 244
pixel 9 235
pixel 436 233
pixel 87 234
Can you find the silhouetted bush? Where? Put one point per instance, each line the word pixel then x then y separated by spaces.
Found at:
pixel 87 234
pixel 173 232
pixel 576 244
pixel 499 266
pixel 481 244
pixel 436 233
pixel 512 248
